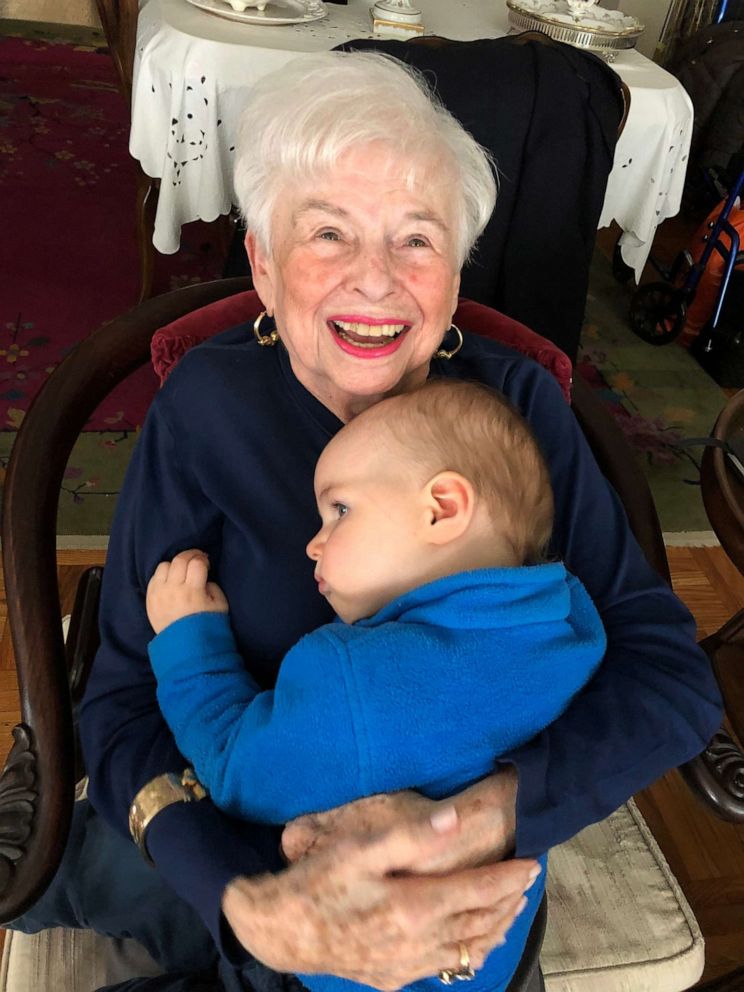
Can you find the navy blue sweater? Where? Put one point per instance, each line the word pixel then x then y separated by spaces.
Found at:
pixel 225 462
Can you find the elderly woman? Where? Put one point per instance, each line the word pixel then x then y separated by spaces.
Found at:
pixel 362 199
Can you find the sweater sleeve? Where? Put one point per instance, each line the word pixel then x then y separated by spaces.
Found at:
pixel 654 703
pixel 125 739
pixel 267 756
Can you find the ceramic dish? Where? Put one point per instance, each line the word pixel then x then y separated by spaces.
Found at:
pixel 289 12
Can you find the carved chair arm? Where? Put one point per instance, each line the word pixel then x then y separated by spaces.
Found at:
pixel 38 780
pixel 717 775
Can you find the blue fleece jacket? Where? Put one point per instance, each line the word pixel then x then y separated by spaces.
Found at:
pixel 426 694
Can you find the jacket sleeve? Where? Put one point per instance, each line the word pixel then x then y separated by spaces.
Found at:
pixel 654 703
pixel 125 739
pixel 267 756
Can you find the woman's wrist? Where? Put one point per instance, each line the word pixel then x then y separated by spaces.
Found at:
pixel 155 796
pixel 248 906
pixel 487 814
pixel 492 805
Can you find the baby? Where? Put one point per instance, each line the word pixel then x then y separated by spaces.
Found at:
pixel 457 641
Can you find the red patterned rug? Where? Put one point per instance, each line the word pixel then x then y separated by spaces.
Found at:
pixel 67 183
pixel 68 258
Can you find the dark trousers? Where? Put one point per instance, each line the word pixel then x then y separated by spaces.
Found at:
pixel 104 884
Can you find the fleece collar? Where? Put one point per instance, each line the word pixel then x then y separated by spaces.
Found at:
pixel 483 598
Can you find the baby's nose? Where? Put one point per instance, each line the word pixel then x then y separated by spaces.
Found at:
pixel 313 548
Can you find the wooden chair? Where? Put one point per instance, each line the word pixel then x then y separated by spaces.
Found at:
pixel 119 22
pixel 37 786
pixel 723 497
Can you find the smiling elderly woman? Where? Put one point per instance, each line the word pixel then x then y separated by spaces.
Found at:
pixel 361 205
pixel 362 198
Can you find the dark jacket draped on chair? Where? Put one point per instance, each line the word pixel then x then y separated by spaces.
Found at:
pixel 549 114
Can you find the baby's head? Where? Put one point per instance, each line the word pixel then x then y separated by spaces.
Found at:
pixel 443 479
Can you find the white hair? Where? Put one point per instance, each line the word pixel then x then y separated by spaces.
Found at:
pixel 302 118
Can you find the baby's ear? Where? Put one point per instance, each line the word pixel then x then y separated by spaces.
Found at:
pixel 450 504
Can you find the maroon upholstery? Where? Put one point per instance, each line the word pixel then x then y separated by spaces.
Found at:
pixel 480 319
pixel 172 341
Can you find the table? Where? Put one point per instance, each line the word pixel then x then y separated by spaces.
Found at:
pixel 193 69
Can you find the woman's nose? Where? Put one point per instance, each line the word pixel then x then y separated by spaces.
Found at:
pixel 373 273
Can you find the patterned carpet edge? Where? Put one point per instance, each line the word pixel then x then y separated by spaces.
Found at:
pixel 79 34
pixel 683 539
pixel 82 542
pixel 691 539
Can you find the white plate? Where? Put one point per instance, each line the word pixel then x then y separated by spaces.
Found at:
pixel 294 12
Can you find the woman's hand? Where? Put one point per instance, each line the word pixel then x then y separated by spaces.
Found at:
pixel 355 910
pixel 373 814
pixel 179 588
pixel 487 815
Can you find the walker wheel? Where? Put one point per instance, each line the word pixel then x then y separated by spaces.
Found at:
pixel 657 312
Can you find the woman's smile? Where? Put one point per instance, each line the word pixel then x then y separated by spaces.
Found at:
pixel 366 337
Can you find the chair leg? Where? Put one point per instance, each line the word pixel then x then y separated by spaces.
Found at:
pixel 236 260
pixel 147 202
pixel 717 777
pixel 725 649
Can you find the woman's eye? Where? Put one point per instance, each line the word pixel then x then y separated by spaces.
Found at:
pixel 341 509
pixel 329 235
pixel 416 242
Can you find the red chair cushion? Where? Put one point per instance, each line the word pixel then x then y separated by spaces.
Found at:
pixel 172 341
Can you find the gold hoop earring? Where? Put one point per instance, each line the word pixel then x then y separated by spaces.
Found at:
pixel 265 340
pixel 442 352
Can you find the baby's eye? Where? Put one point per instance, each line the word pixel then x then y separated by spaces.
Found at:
pixel 341 509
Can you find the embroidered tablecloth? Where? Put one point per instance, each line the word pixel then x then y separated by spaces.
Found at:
pixel 193 69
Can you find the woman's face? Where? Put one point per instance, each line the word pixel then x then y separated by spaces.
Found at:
pixel 362 278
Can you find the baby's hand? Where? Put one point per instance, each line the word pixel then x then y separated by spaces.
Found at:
pixel 179 588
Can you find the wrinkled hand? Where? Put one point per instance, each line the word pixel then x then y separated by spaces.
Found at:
pixel 179 588
pixel 487 813
pixel 317 832
pixel 355 910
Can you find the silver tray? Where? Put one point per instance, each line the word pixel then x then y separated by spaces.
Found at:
pixel 604 43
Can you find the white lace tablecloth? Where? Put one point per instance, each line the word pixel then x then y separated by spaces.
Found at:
pixel 193 69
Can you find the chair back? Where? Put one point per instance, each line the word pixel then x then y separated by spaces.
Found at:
pixel 172 341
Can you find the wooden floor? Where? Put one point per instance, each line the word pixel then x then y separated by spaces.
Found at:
pixel 706 855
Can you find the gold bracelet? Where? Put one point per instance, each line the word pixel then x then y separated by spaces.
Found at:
pixel 155 796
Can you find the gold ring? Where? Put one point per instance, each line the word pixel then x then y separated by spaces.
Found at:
pixel 462 974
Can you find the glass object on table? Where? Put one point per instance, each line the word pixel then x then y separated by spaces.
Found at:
pixel 577 22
